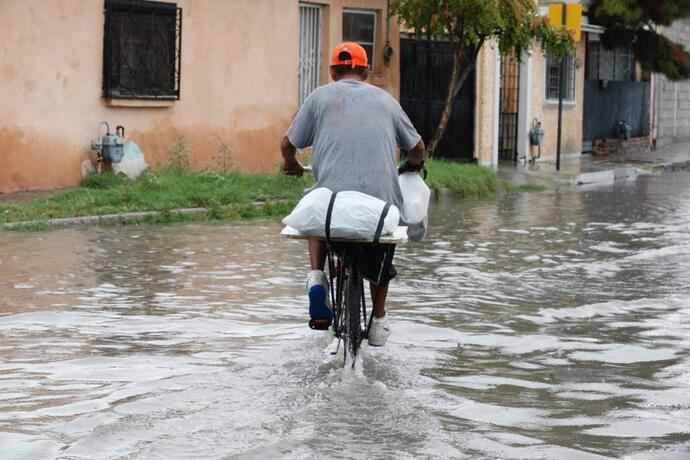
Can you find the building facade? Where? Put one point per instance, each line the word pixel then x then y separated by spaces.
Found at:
pixel 516 95
pixel 203 69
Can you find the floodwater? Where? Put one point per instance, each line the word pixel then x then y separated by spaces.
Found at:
pixel 548 325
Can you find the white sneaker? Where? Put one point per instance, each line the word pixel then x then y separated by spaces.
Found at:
pixel 379 331
pixel 319 299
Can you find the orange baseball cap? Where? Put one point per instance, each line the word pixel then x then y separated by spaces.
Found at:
pixel 357 53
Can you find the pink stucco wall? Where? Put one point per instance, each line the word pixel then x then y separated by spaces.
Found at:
pixel 239 82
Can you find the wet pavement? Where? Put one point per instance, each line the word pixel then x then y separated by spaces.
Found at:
pixel 592 169
pixel 547 325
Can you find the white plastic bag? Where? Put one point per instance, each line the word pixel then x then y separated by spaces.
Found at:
pixel 416 196
pixel 355 215
pixel 132 163
pixel 417 232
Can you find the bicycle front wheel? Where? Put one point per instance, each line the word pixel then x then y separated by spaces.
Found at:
pixel 352 311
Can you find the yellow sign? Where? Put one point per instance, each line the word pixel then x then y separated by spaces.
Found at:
pixel 573 17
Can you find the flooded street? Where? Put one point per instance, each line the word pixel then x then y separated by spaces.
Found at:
pixel 549 325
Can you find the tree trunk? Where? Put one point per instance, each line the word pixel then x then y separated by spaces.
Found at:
pixel 456 80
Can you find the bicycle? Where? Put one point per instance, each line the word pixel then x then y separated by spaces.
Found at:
pixel 346 262
pixel 348 266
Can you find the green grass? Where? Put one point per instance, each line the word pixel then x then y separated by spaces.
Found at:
pixel 161 189
pixel 463 179
pixel 226 195
pixel 523 188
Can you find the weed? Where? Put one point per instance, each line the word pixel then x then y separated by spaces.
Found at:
pixel 150 180
pixel 179 155
pixel 222 159
pixel 102 181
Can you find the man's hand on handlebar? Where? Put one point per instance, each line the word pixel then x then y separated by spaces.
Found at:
pixel 406 166
pixel 293 168
pixel 414 161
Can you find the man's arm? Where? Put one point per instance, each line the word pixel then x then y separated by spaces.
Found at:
pixel 416 155
pixel 415 160
pixel 291 166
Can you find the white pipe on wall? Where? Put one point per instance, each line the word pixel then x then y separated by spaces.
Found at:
pixel 524 107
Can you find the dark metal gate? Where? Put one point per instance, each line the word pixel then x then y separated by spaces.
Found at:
pixel 508 111
pixel 425 71
pixel 607 102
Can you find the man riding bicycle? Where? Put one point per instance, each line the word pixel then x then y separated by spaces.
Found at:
pixel 355 130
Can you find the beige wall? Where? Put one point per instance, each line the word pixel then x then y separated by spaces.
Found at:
pixel 385 76
pixel 547 111
pixel 239 81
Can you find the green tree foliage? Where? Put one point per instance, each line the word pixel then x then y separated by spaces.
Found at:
pixel 635 22
pixel 513 25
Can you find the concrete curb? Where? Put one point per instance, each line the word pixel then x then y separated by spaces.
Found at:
pixel 607 176
pixel 672 166
pixel 629 172
pixel 103 219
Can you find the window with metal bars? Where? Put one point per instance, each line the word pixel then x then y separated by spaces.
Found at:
pixel 609 64
pixel 141 50
pixel 552 74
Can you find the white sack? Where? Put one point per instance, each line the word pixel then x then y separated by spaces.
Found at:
pixel 355 215
pixel 132 163
pixel 416 196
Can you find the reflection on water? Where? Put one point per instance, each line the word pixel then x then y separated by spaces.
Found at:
pixel 550 325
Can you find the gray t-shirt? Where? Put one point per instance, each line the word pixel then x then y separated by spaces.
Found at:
pixel 355 129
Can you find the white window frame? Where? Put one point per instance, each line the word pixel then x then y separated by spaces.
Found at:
pixel 569 98
pixel 375 14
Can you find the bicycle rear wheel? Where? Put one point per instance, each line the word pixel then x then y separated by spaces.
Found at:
pixel 352 314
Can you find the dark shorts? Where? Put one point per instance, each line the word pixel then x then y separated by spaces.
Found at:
pixel 376 262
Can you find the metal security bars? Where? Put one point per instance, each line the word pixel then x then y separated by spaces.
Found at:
pixel 508 120
pixel 141 50
pixel 609 64
pixel 552 72
pixel 309 49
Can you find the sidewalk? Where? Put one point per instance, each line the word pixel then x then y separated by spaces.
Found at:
pixel 591 169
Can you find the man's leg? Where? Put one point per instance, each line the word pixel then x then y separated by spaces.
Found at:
pixel 317 254
pixel 317 286
pixel 378 296
pixel 379 330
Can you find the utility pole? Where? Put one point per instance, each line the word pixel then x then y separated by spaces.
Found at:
pixel 561 83
pixel 570 16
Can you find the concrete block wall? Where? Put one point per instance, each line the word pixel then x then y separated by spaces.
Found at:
pixel 672 99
